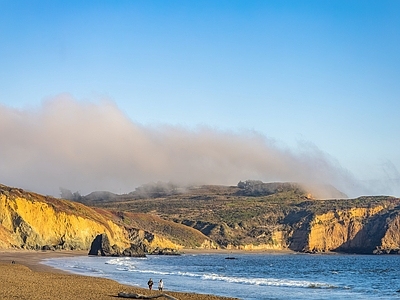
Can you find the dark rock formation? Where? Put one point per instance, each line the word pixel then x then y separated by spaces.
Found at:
pixel 135 251
pixel 164 251
pixel 101 246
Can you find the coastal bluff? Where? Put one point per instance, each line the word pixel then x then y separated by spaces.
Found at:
pixel 36 222
pixel 280 217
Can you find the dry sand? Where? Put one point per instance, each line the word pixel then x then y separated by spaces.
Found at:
pixel 30 280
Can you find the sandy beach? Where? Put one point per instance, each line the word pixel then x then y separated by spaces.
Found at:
pixel 23 277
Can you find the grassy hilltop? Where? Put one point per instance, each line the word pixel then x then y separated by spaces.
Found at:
pixel 256 215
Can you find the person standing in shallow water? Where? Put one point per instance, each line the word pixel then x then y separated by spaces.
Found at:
pixel 160 285
pixel 150 284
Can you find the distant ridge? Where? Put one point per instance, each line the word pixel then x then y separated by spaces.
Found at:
pixel 246 188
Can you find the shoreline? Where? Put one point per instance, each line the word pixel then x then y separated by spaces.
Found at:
pixel 33 258
pixel 234 251
pixel 23 276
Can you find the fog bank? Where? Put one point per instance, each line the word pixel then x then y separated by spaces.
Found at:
pixel 86 147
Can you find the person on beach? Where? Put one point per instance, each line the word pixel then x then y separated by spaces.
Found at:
pixel 150 284
pixel 160 285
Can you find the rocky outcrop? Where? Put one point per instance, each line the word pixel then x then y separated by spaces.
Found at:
pixel 333 230
pixel 390 240
pixel 165 251
pixel 101 246
pixel 356 230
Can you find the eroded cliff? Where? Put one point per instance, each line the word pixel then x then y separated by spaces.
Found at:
pixel 33 221
pixel 279 217
pixel 206 217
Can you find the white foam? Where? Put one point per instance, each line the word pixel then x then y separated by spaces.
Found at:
pixel 266 281
pixel 122 263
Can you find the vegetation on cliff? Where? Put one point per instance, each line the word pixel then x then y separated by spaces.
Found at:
pixel 255 215
pixel 33 221
pixel 251 215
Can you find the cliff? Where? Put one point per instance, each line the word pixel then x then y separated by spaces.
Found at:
pixel 33 221
pixel 341 230
pixel 257 216
pixel 280 217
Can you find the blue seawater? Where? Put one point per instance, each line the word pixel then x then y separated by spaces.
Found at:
pixel 252 276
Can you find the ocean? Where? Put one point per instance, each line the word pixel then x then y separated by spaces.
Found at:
pixel 252 276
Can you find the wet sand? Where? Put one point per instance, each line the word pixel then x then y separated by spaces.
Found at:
pixel 28 279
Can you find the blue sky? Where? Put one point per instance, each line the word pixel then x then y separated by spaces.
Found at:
pixel 319 73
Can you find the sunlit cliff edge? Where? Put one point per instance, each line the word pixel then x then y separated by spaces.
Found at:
pixel 33 221
pixel 285 218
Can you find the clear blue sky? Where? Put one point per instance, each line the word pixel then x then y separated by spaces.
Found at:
pixel 319 72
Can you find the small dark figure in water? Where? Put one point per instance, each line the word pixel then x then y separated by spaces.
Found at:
pixel 160 285
pixel 150 284
pixel 13 262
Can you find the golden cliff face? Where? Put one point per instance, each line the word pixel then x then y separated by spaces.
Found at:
pixel 344 230
pixel 277 241
pixel 391 239
pixel 34 223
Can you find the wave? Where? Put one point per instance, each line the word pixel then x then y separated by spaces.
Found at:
pixel 248 281
pixel 122 263
pixel 289 277
pixel 239 280
pixel 267 281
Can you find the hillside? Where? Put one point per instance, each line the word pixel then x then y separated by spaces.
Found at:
pixel 277 216
pixel 33 221
pixel 250 216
